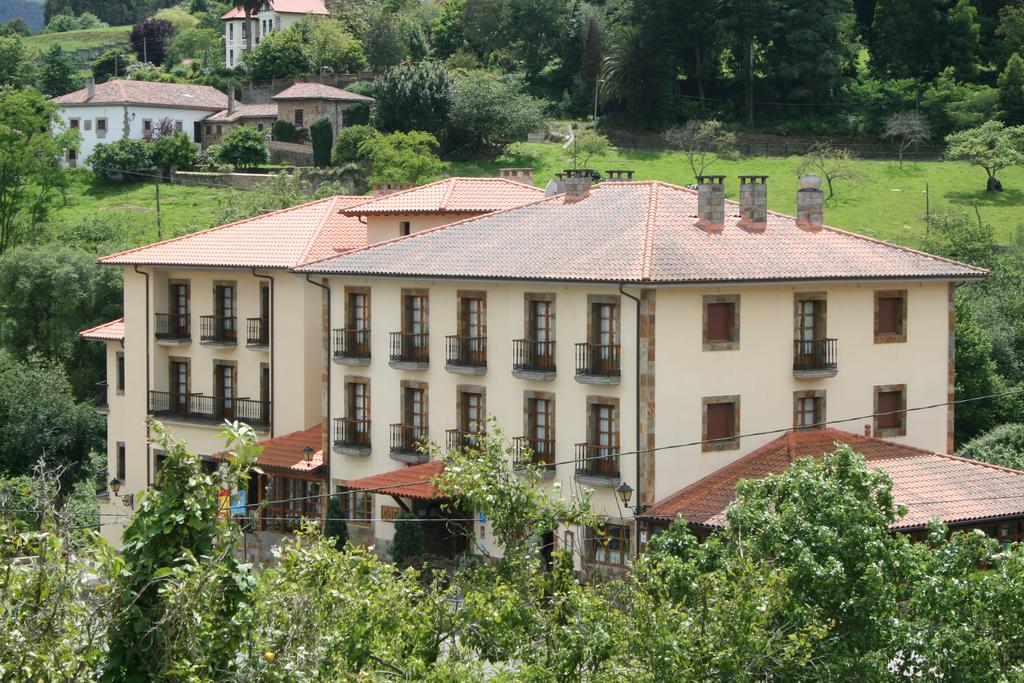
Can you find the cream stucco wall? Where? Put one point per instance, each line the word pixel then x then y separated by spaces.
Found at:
pixel 381 228
pixel 294 347
pixel 760 372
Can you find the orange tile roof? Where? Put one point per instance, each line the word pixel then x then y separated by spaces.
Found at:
pixel 280 239
pixel 112 331
pixel 643 232
pixel 931 485
pixel 285 452
pixel 454 195
pixel 319 91
pixel 151 93
pixel 407 482
pixel 246 111
pixel 284 6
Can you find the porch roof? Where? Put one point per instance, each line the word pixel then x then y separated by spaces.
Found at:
pixel 408 482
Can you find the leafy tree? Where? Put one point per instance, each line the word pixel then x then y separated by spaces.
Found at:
pixel 180 19
pixel 285 131
pixel 1011 28
pixel 15 62
pixel 278 191
pixel 113 63
pixel 831 163
pixel 348 143
pixel 906 38
pixel 57 73
pixel 119 158
pixel 66 21
pixel 386 39
pixel 992 146
pixel 812 55
pixel 51 293
pixel 32 142
pixel 587 145
pixel 150 40
pixel 402 157
pixel 952 105
pixel 244 146
pixel 446 32
pixel 1011 88
pixel 703 142
pixel 407 547
pixel 280 54
pixel 201 44
pixel 1003 445
pixel 415 97
pixel 321 133
pixel 174 151
pixel 40 417
pixel 490 112
pixel 962 39
pixel 329 44
pixel 906 129
pixel 336 527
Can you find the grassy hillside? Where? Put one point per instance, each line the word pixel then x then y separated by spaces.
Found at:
pixel 886 202
pixel 74 40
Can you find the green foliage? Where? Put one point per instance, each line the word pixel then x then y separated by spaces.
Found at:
pixel 336 527
pixel 285 131
pixel 150 40
pixel 402 157
pixel 15 63
pixel 992 146
pixel 1003 445
pixel 447 31
pixel 1011 88
pixel 329 44
pixel 122 157
pixel 278 191
pixel 280 54
pixel 57 73
pixel 321 133
pixel 347 146
pixel 244 146
pixel 66 21
pixel 174 151
pixel 703 142
pixel 407 547
pixel 202 44
pixel 180 19
pixel 490 112
pixel 830 162
pixel 414 97
pixel 112 64
pixel 32 143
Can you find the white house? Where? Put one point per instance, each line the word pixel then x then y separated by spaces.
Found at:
pixel 274 15
pixel 118 109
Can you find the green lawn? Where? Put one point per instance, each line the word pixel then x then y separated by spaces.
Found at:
pixel 73 40
pixel 887 202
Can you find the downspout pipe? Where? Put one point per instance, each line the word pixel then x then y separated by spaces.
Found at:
pixel 149 468
pixel 327 451
pixel 273 368
pixel 636 425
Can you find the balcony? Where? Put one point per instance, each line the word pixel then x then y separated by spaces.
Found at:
pixel 815 359
pixel 257 332
pixel 459 440
pixel 533 359
pixel 102 402
pixel 172 328
pixel 352 437
pixel 466 355
pixel 597 465
pixel 597 363
pixel 407 442
pixel 410 351
pixel 218 331
pixel 530 451
pixel 209 409
pixel 351 347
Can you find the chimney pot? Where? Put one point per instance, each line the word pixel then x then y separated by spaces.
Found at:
pixel 383 189
pixel 90 88
pixel 867 430
pixel 519 175
pixel 711 202
pixel 753 202
pixel 619 174
pixel 577 185
pixel 810 203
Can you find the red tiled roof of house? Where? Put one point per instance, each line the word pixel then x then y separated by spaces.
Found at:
pixel 285 7
pixel 636 232
pixel 644 232
pixel 112 331
pixel 319 91
pixel 931 485
pixel 280 239
pixel 285 452
pixel 454 195
pixel 407 482
pixel 150 93
pixel 245 111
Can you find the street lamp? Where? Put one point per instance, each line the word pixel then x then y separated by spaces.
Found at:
pixel 625 494
pixel 307 454
pixel 128 499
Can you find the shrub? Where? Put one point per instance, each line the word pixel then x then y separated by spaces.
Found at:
pixel 350 139
pixel 321 133
pixel 415 97
pixel 402 157
pixel 244 146
pixel 407 548
pixel 284 131
pixel 174 151
pixel 336 527
pixel 121 157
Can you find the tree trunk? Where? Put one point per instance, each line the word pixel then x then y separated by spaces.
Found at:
pixel 750 82
pixel 828 179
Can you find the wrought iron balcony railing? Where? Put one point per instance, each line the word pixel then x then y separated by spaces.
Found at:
pixel 597 360
pixel 203 408
pixel 533 356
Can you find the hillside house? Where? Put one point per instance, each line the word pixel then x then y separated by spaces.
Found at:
pixel 273 15
pixel 303 104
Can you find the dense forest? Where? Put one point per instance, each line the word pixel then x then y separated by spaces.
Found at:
pixel 29 11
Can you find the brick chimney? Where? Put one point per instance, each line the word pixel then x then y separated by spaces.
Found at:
pixel 753 202
pixel 619 174
pixel 382 189
pixel 90 88
pixel 519 175
pixel 231 99
pixel 577 184
pixel 711 202
pixel 810 203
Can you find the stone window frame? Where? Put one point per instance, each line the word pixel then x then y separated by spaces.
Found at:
pixel 823 415
pixel 74 123
pixel 461 294
pixel 530 297
pixel 121 460
pixel 188 371
pixel 365 291
pixel 731 444
pixel 808 296
pixel 888 337
pixel 101 128
pixel 529 395
pixel 119 373
pixel 733 343
pixel 414 384
pixel 415 291
pixel 604 401
pixel 461 389
pixel 888 432
pixel 614 299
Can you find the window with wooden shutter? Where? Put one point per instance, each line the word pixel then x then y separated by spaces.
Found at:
pixel 721 423
pixel 721 323
pixel 890 410
pixel 890 316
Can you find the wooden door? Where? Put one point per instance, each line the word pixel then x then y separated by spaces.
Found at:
pixel 605 335
pixel 179 300
pixel 224 387
pixel 605 438
pixel 224 303
pixel 179 388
